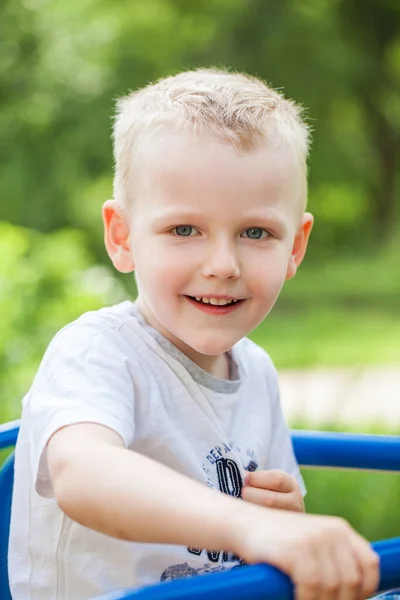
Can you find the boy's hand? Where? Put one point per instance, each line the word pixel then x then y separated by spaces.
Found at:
pixel 273 489
pixel 324 556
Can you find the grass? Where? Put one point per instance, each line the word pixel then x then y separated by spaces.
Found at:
pixel 368 500
pixel 341 313
pixel 330 336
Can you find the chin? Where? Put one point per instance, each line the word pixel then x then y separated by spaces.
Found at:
pixel 212 348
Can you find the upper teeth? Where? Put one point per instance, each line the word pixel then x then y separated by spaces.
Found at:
pixel 215 301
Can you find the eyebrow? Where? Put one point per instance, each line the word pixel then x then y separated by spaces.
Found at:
pixel 268 216
pixel 182 216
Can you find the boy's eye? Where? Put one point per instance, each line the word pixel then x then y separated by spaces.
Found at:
pixel 255 233
pixel 184 230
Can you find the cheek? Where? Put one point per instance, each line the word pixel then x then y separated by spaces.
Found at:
pixel 162 269
pixel 267 274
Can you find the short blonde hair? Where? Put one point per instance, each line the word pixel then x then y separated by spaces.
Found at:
pixel 235 107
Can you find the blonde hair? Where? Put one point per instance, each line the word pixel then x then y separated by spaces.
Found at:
pixel 237 108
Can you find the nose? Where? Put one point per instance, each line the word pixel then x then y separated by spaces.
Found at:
pixel 222 261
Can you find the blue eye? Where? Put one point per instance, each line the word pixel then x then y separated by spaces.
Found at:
pixel 184 230
pixel 255 233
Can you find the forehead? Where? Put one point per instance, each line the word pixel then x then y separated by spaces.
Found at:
pixel 178 168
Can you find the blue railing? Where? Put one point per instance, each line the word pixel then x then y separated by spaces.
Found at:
pixel 347 450
pixel 8 434
pixel 256 582
pixel 312 448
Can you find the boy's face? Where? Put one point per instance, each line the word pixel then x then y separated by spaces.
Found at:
pixel 210 223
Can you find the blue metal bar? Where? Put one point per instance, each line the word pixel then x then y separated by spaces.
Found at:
pixel 259 582
pixel 6 485
pixel 349 450
pixel 9 434
pixel 389 553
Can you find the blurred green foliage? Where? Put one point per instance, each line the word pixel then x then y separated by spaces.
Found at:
pixel 369 501
pixel 45 281
pixel 63 64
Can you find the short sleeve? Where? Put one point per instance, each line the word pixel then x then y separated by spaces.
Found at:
pixel 85 376
pixel 281 455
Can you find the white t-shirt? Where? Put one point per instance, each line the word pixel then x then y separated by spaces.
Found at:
pixel 110 367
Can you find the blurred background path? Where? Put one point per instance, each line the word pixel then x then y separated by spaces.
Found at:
pixel 354 397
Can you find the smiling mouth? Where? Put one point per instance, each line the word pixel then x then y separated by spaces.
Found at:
pixel 215 301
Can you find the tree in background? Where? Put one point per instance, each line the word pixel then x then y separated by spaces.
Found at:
pixel 373 33
pixel 62 65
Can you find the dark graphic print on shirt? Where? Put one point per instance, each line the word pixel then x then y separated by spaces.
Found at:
pixel 221 467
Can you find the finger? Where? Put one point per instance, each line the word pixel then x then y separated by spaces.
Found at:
pixel 279 481
pixel 307 578
pixel 368 564
pixel 350 573
pixel 272 499
pixel 330 576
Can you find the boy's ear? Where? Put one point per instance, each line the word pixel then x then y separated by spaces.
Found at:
pixel 116 237
pixel 300 244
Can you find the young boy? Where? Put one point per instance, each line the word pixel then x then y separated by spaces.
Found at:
pixel 141 413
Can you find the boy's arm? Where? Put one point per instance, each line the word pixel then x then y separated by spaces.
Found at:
pixel 104 486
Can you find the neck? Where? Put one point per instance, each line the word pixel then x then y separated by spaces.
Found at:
pixel 217 366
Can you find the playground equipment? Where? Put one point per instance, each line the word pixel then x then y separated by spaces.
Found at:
pixel 322 449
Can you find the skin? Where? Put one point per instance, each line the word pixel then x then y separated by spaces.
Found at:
pixel 220 194
pixel 274 489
